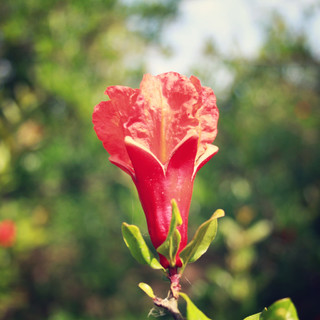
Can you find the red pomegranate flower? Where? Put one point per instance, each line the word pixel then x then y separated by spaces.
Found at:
pixel 7 233
pixel 161 135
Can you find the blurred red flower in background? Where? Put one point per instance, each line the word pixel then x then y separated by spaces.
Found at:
pixel 161 135
pixel 7 233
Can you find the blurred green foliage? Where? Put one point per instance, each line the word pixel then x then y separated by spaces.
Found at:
pixel 266 177
pixel 69 261
pixel 56 59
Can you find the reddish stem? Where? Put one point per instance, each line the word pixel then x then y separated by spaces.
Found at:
pixel 175 286
pixel 171 302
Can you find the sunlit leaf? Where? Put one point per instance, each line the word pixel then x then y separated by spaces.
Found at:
pixel 138 247
pixel 193 313
pixel 282 309
pixel 202 239
pixel 254 317
pixel 147 289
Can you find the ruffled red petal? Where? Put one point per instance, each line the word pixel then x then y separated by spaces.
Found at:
pixel 207 113
pixel 158 116
pixel 109 118
pixel 167 112
pixel 109 129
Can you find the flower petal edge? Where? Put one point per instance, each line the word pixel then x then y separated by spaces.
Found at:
pixel 211 150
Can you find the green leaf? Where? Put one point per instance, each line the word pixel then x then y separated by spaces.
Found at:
pixel 169 248
pixel 138 247
pixel 202 239
pixel 254 317
pixel 193 313
pixel 282 309
pixel 174 246
pixel 147 289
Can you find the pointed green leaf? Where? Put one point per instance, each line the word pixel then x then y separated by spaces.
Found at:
pixel 174 246
pixel 193 313
pixel 282 309
pixel 170 246
pixel 176 219
pixel 254 317
pixel 138 247
pixel 147 289
pixel 176 213
pixel 202 239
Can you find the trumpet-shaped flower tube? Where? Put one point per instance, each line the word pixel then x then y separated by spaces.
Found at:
pixel 161 135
